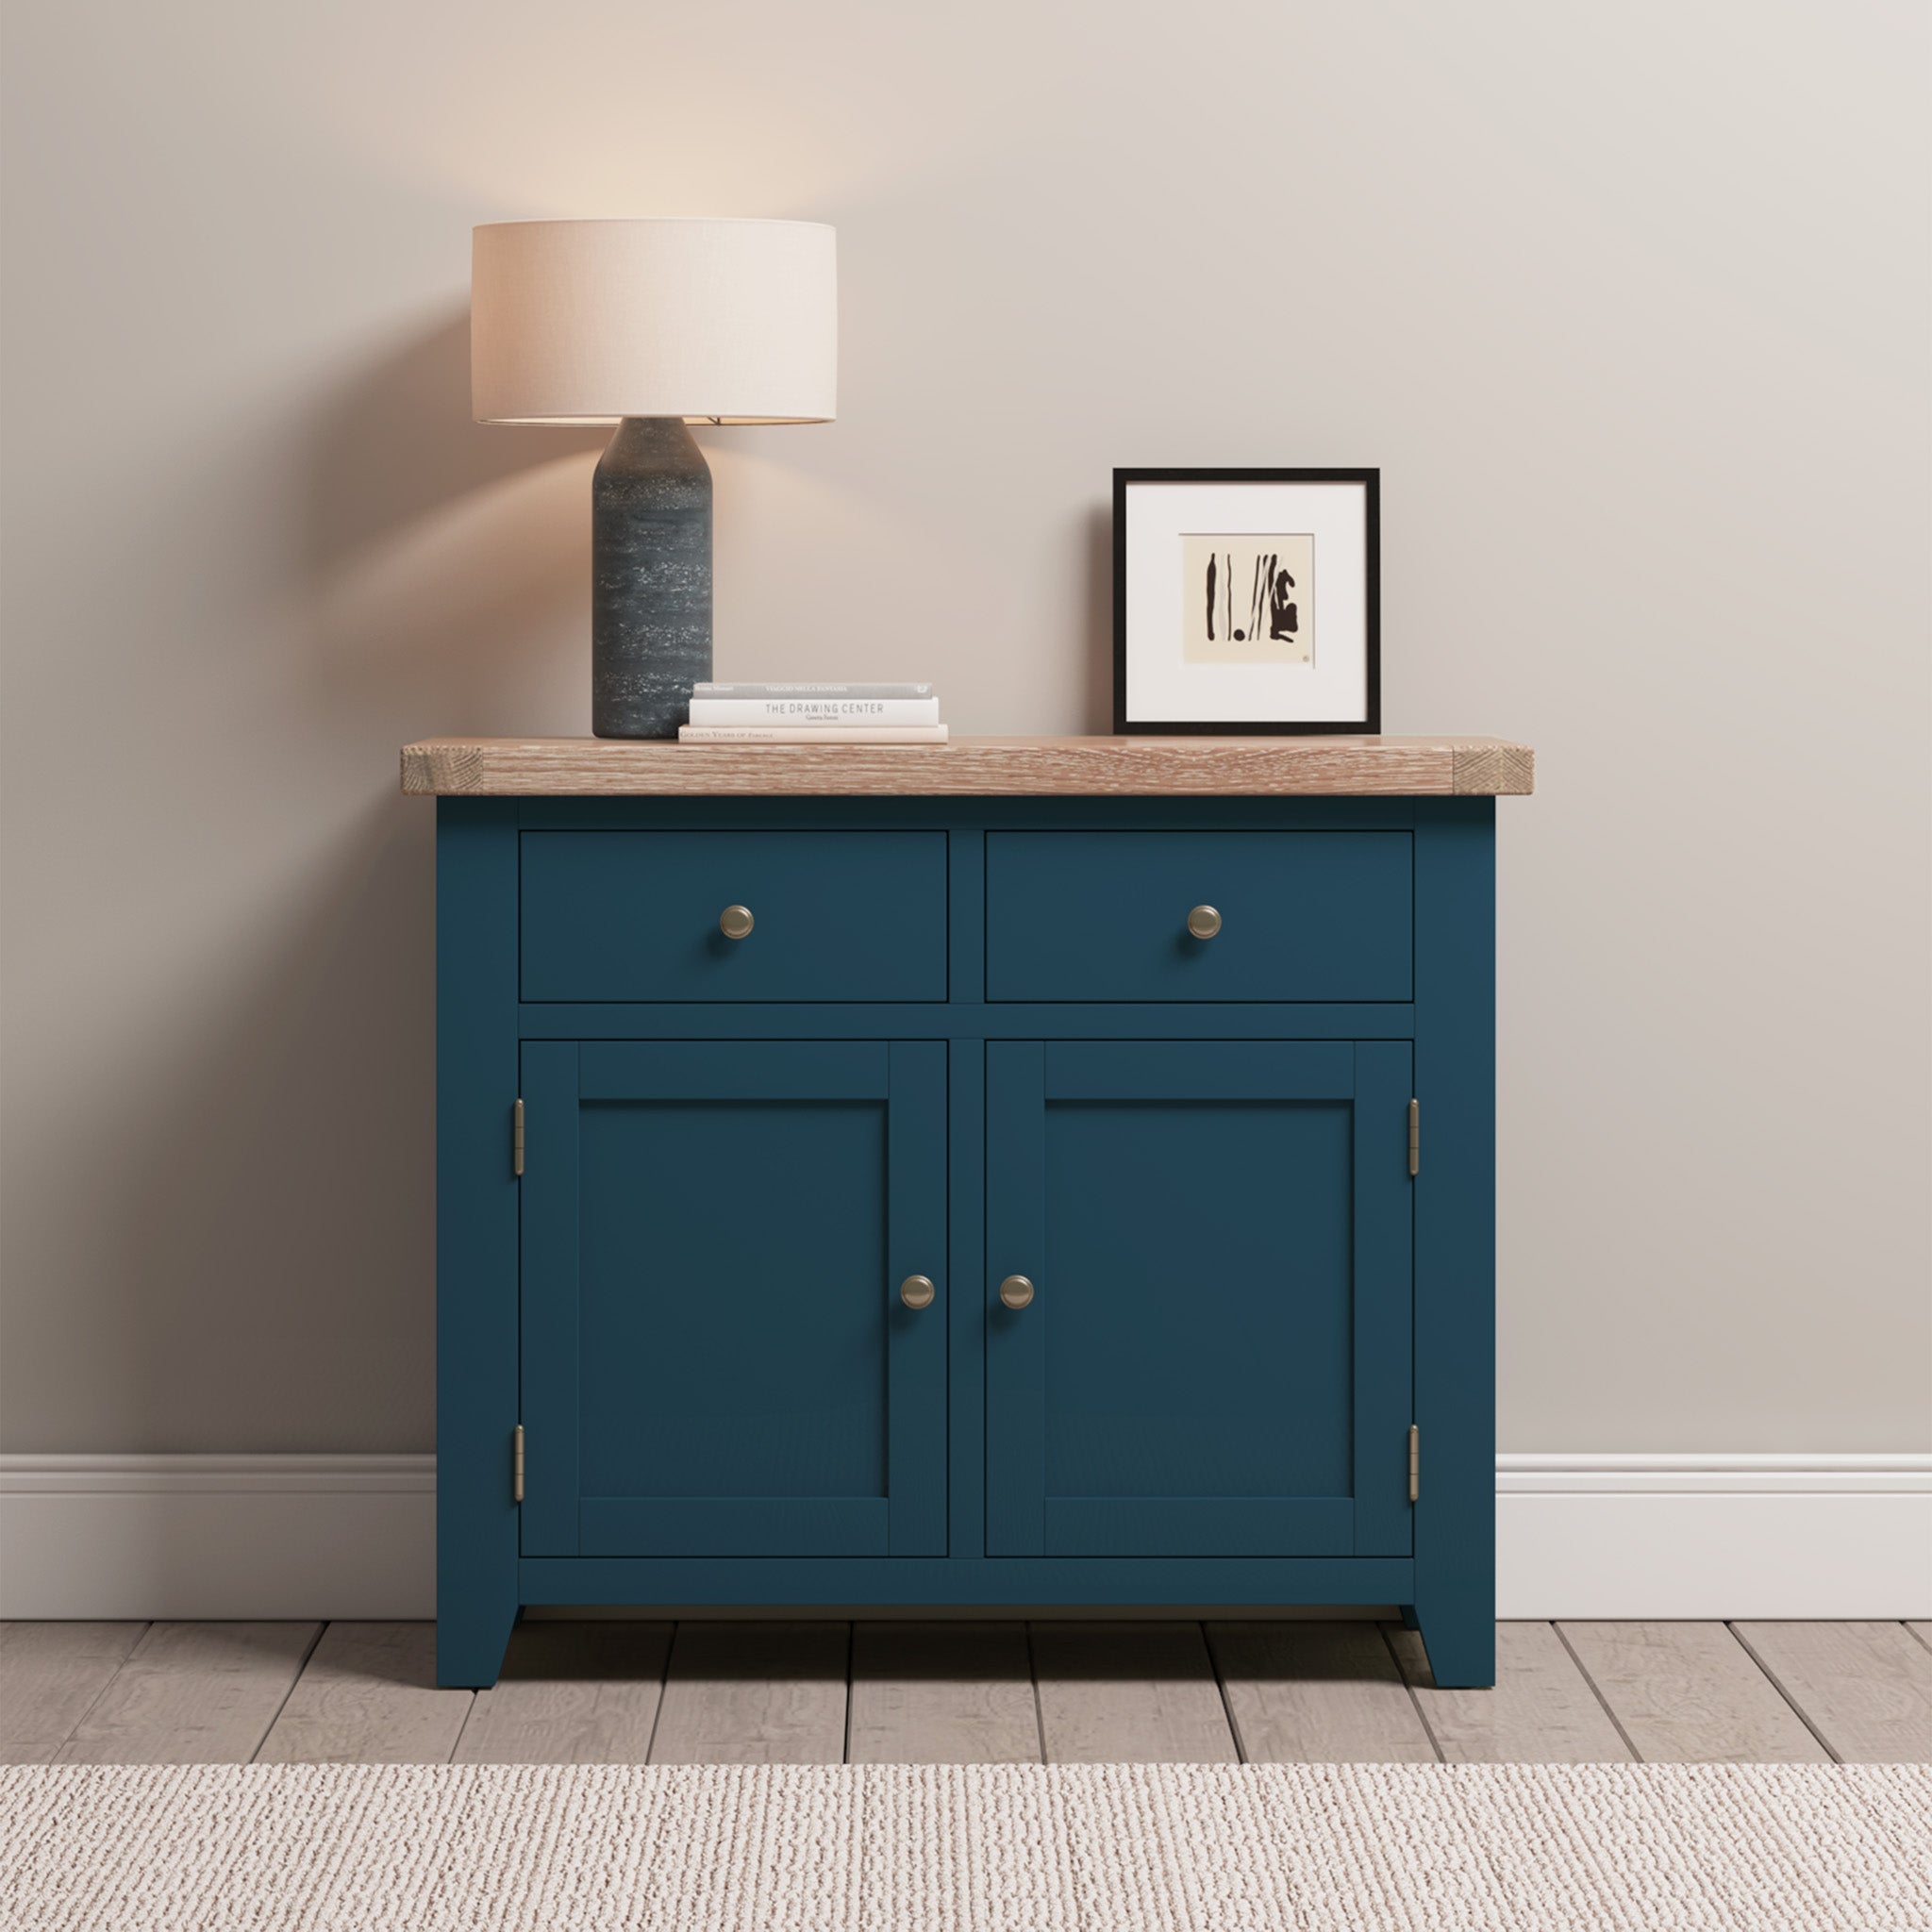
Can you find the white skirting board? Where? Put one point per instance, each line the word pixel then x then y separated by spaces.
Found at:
pixel 1714 1536
pixel 217 1535
pixel 1577 1536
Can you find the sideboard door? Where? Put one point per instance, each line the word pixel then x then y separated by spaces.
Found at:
pixel 717 1359
pixel 1216 1359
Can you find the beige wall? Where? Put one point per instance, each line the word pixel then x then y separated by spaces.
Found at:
pixel 1629 304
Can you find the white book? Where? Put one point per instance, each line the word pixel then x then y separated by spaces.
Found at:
pixel 811 734
pixel 710 689
pixel 814 710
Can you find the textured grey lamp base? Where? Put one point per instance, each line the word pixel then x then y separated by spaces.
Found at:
pixel 651 579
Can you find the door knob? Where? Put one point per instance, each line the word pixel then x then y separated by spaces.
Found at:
pixel 735 921
pixel 917 1291
pixel 1016 1292
pixel 1203 921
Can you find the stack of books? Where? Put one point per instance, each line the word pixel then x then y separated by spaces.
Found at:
pixel 813 714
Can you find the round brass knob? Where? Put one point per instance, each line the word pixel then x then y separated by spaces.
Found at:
pixel 1203 921
pixel 735 921
pixel 1016 1292
pixel 917 1291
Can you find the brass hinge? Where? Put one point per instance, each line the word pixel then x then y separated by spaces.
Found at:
pixel 516 1140
pixel 1415 1460
pixel 516 1464
pixel 1415 1137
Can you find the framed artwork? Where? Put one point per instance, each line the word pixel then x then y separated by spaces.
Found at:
pixel 1246 601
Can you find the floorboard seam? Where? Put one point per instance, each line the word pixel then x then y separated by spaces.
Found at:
pixel 664 1692
pixel 314 1642
pixel 1917 1637
pixel 851 1643
pixel 1637 1756
pixel 1402 1677
pixel 1240 1747
pixel 463 1729
pixel 1033 1673
pixel 73 1731
pixel 1777 1684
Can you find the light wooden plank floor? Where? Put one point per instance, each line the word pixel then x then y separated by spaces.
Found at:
pixel 1544 1709
pixel 571 1694
pixel 1689 1694
pixel 1318 1693
pixel 1129 1693
pixel 942 1694
pixel 1059 1691
pixel 755 1693
pixel 50 1675
pixel 193 1693
pixel 368 1695
pixel 1866 1689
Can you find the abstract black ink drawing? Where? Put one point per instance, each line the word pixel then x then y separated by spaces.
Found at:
pixel 1247 598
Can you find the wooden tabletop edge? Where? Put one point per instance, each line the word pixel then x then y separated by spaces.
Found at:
pixel 1071 766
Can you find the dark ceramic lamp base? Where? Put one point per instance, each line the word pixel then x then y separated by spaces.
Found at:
pixel 651 579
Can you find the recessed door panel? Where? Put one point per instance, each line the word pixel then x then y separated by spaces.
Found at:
pixel 1199 1337
pixel 1215 1361
pixel 717 1359
pixel 732 1334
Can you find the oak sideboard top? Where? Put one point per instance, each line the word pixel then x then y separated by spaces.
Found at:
pixel 966 767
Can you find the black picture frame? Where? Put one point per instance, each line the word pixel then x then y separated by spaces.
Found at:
pixel 1370 724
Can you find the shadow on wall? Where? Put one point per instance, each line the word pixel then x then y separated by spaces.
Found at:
pixel 398 444
pixel 447 562
pixel 1096 632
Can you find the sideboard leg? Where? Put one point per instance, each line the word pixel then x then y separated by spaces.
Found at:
pixel 477 1530
pixel 471 1637
pixel 1409 1619
pixel 1455 1503
pixel 1461 1639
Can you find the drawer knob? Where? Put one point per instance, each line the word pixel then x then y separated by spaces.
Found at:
pixel 1203 921
pixel 917 1291
pixel 1016 1292
pixel 735 921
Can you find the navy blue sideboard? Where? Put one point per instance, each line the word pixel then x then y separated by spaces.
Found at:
pixel 1026 1171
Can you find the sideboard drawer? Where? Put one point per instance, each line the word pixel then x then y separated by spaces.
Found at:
pixel 1105 915
pixel 636 915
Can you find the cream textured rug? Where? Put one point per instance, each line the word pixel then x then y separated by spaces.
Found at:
pixel 1144 1848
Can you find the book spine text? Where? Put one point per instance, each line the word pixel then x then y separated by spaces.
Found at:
pixel 814 710
pixel 712 690
pixel 812 734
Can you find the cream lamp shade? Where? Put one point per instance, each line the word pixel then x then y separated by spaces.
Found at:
pixel 713 320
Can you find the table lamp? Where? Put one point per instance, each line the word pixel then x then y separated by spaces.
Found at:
pixel 652 324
